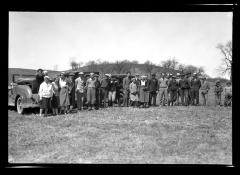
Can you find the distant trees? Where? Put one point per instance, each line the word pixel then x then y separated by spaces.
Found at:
pixel 148 67
pixel 226 66
pixel 170 64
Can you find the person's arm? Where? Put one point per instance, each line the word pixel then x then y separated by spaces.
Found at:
pixel 40 91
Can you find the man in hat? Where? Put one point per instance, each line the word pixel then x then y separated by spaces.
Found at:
pixel 104 87
pixel 126 83
pixel 205 87
pixel 97 104
pixel 79 85
pixel 185 86
pixel 153 88
pixel 163 84
pixel 172 87
pixel 91 91
pixel 71 89
pixel 178 78
pixel 39 78
pixel 45 94
pixel 112 91
pixel 195 86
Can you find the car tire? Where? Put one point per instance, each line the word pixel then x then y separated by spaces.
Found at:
pixel 20 110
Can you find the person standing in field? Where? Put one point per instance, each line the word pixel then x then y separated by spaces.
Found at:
pixel 204 90
pixel 112 91
pixel 97 104
pixel 195 86
pixel 153 88
pixel 79 84
pixel 172 87
pixel 185 86
pixel 138 82
pixel 91 91
pixel 64 95
pixel 126 83
pixel 39 78
pixel 104 90
pixel 228 94
pixel 55 97
pixel 133 92
pixel 162 84
pixel 144 93
pixel 218 92
pixel 71 90
pixel 45 93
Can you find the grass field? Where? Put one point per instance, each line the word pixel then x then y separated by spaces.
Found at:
pixel 157 135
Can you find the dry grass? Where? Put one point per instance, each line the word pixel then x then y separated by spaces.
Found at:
pixel 183 135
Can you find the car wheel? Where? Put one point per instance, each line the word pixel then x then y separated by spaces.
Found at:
pixel 20 109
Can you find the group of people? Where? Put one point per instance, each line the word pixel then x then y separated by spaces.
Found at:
pixel 66 92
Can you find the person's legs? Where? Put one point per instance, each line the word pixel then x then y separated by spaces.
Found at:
pixel 93 96
pixel 89 97
pixel 110 98
pixel 154 99
pixel 78 100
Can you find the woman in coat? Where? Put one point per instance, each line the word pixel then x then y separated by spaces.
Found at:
pixel 64 95
pixel 133 92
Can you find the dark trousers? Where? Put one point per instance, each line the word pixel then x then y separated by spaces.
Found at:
pixel 80 98
pixel 186 97
pixel 173 96
pixel 218 98
pixel 104 95
pixel 195 96
pixel 152 97
pixel 125 97
pixel 97 97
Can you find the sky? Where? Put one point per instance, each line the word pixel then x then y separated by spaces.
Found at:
pixel 49 40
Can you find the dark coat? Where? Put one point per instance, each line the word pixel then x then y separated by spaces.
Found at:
pixel 184 83
pixel 153 85
pixel 195 84
pixel 172 85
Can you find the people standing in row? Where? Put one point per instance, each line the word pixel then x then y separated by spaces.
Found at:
pixel 126 83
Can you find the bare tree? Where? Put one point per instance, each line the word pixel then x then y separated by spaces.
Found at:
pixel 91 65
pixel 226 50
pixel 74 65
pixel 122 66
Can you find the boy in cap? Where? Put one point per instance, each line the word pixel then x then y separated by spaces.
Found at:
pixel 228 94
pixel 218 92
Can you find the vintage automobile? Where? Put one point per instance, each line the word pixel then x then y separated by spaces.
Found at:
pixel 22 92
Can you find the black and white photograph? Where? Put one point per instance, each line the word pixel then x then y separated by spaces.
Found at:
pixel 120 88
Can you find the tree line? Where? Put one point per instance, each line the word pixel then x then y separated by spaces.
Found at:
pixel 171 65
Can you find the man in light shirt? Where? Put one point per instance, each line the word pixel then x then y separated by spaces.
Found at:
pixel 45 93
pixel 91 91
pixel 163 95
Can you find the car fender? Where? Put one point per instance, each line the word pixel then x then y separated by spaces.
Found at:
pixel 23 90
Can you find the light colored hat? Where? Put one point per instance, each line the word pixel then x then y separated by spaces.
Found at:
pixel 80 73
pixel 178 74
pixel 45 71
pixel 91 74
pixel 47 77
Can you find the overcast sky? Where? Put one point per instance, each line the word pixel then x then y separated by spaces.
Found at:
pixel 44 40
